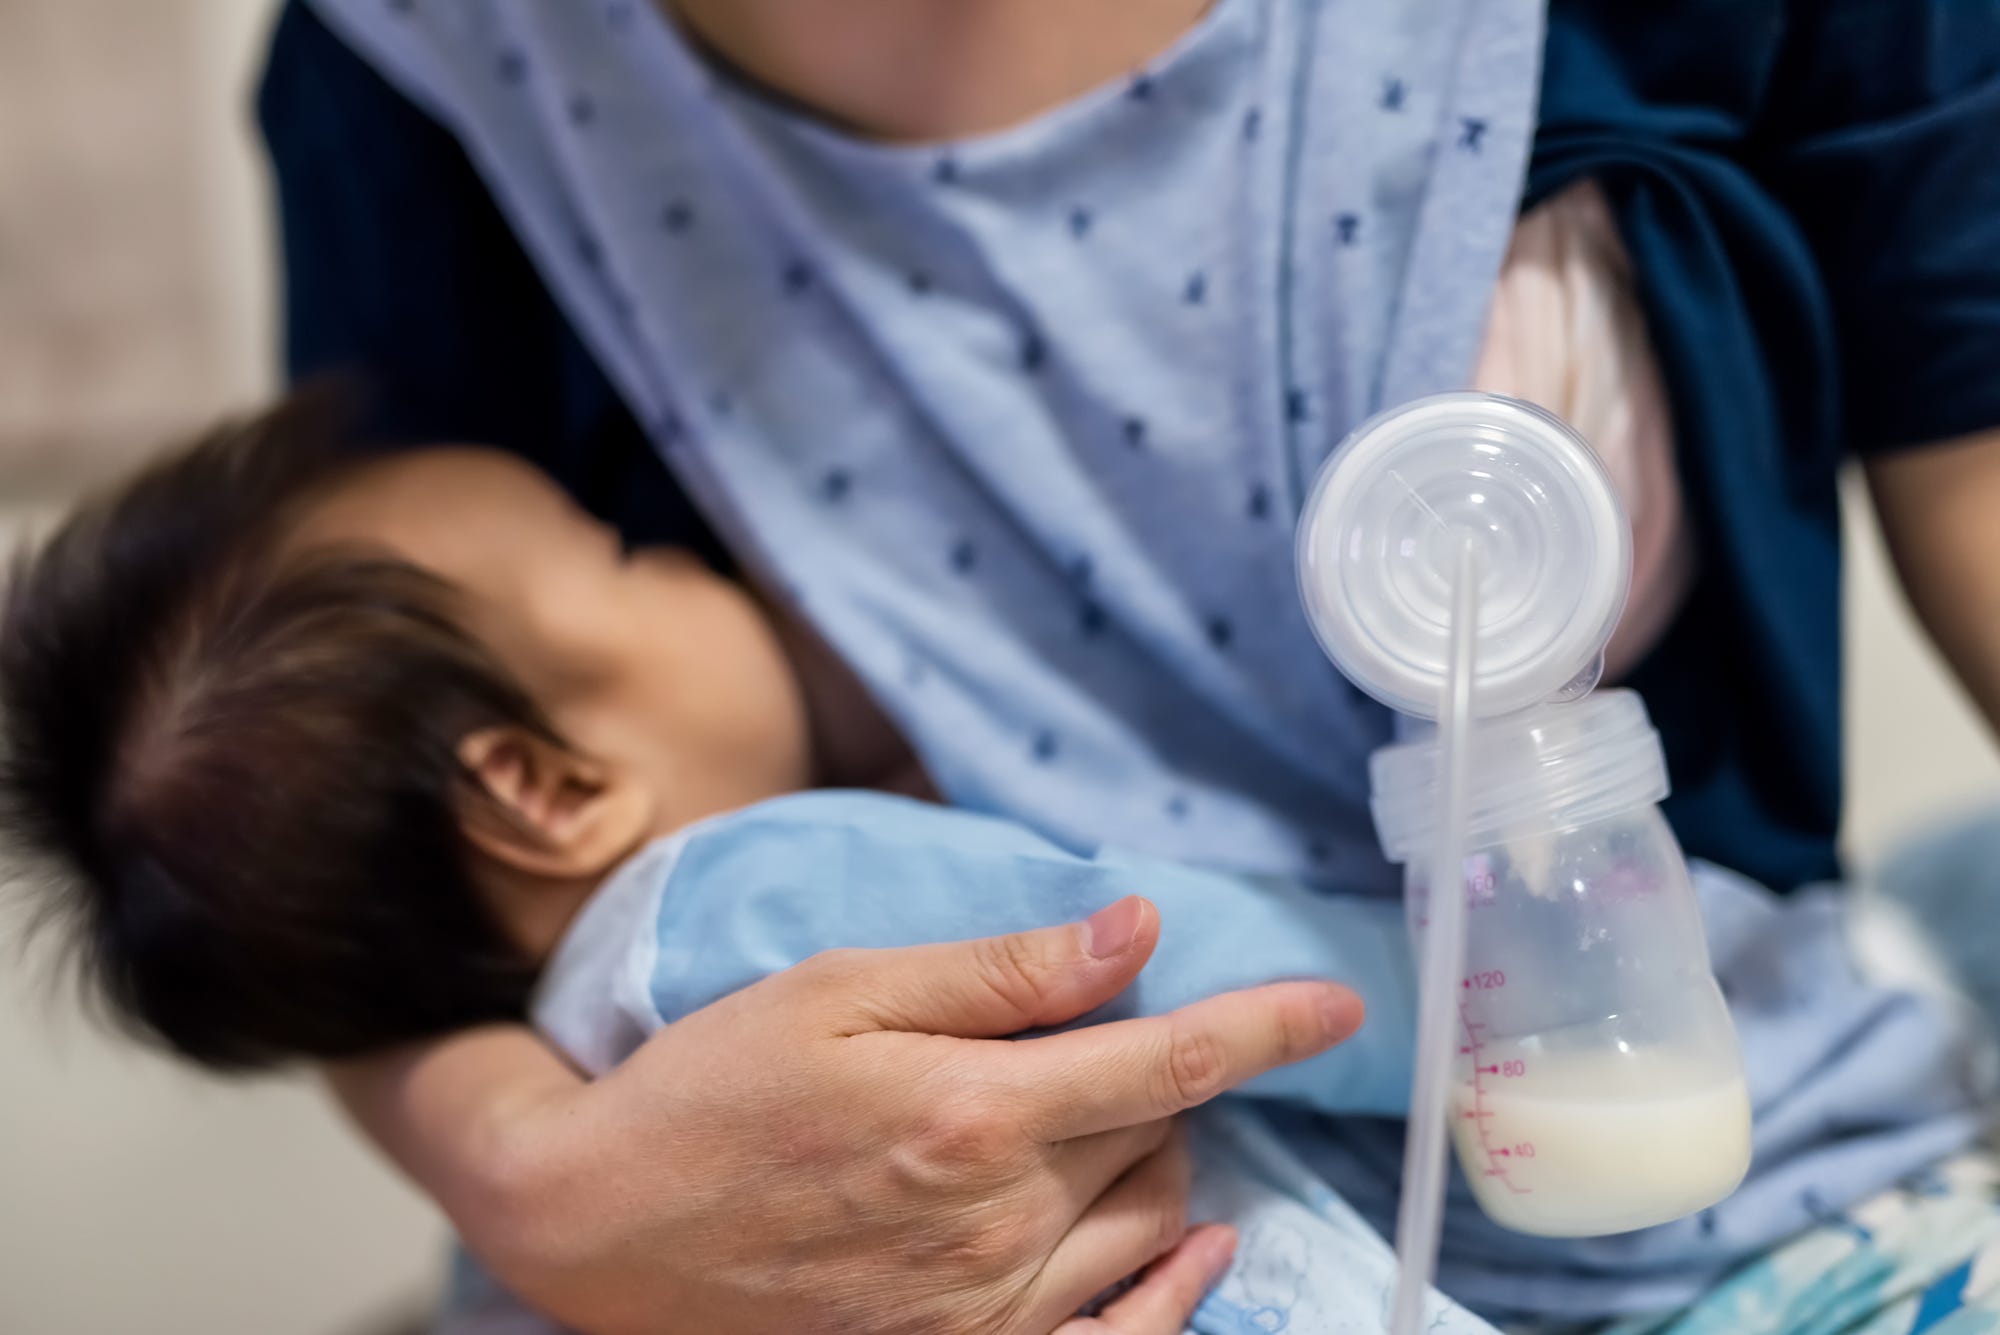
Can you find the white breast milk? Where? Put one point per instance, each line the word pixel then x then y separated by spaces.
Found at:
pixel 1590 1142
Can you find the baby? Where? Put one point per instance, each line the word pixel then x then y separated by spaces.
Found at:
pixel 335 750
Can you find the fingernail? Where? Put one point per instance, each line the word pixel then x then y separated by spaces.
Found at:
pixel 1337 1016
pixel 1218 1249
pixel 1109 931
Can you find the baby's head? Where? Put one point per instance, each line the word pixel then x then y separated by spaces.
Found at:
pixel 326 748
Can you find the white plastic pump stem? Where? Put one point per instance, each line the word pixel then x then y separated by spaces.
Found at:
pixel 1419 1216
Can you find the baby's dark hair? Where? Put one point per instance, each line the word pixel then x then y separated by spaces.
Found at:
pixel 237 763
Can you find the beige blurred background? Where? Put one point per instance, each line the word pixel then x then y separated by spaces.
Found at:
pixel 136 299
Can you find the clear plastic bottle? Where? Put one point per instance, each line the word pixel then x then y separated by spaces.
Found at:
pixel 1597 1084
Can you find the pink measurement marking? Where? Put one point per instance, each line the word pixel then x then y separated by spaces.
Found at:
pixel 1627 881
pixel 1479 1112
pixel 1481 885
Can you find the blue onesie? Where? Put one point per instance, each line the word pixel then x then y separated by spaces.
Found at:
pixel 726 902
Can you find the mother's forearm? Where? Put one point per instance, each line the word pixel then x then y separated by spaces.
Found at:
pixel 449 1113
pixel 1937 506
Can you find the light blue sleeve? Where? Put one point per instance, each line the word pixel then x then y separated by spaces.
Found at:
pixel 758 891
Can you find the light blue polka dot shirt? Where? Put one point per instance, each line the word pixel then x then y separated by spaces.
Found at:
pixel 1023 422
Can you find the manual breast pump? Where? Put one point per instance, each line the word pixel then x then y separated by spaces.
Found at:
pixel 1464 560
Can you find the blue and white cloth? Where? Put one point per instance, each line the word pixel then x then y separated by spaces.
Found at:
pixel 1311 1161
pixel 1920 1259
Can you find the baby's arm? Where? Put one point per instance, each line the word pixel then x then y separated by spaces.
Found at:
pixel 759 891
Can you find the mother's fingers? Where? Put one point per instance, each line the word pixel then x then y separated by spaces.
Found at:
pixel 1142 1217
pixel 1088 1165
pixel 1163 1302
pixel 1113 1075
pixel 988 988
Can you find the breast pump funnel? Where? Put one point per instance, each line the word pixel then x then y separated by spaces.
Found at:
pixel 1596 1084
pixel 1383 523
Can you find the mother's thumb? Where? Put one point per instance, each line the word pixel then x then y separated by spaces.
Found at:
pixel 997 985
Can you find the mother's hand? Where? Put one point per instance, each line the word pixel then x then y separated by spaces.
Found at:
pixel 841 1147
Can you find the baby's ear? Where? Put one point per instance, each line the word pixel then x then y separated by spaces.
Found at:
pixel 545 810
